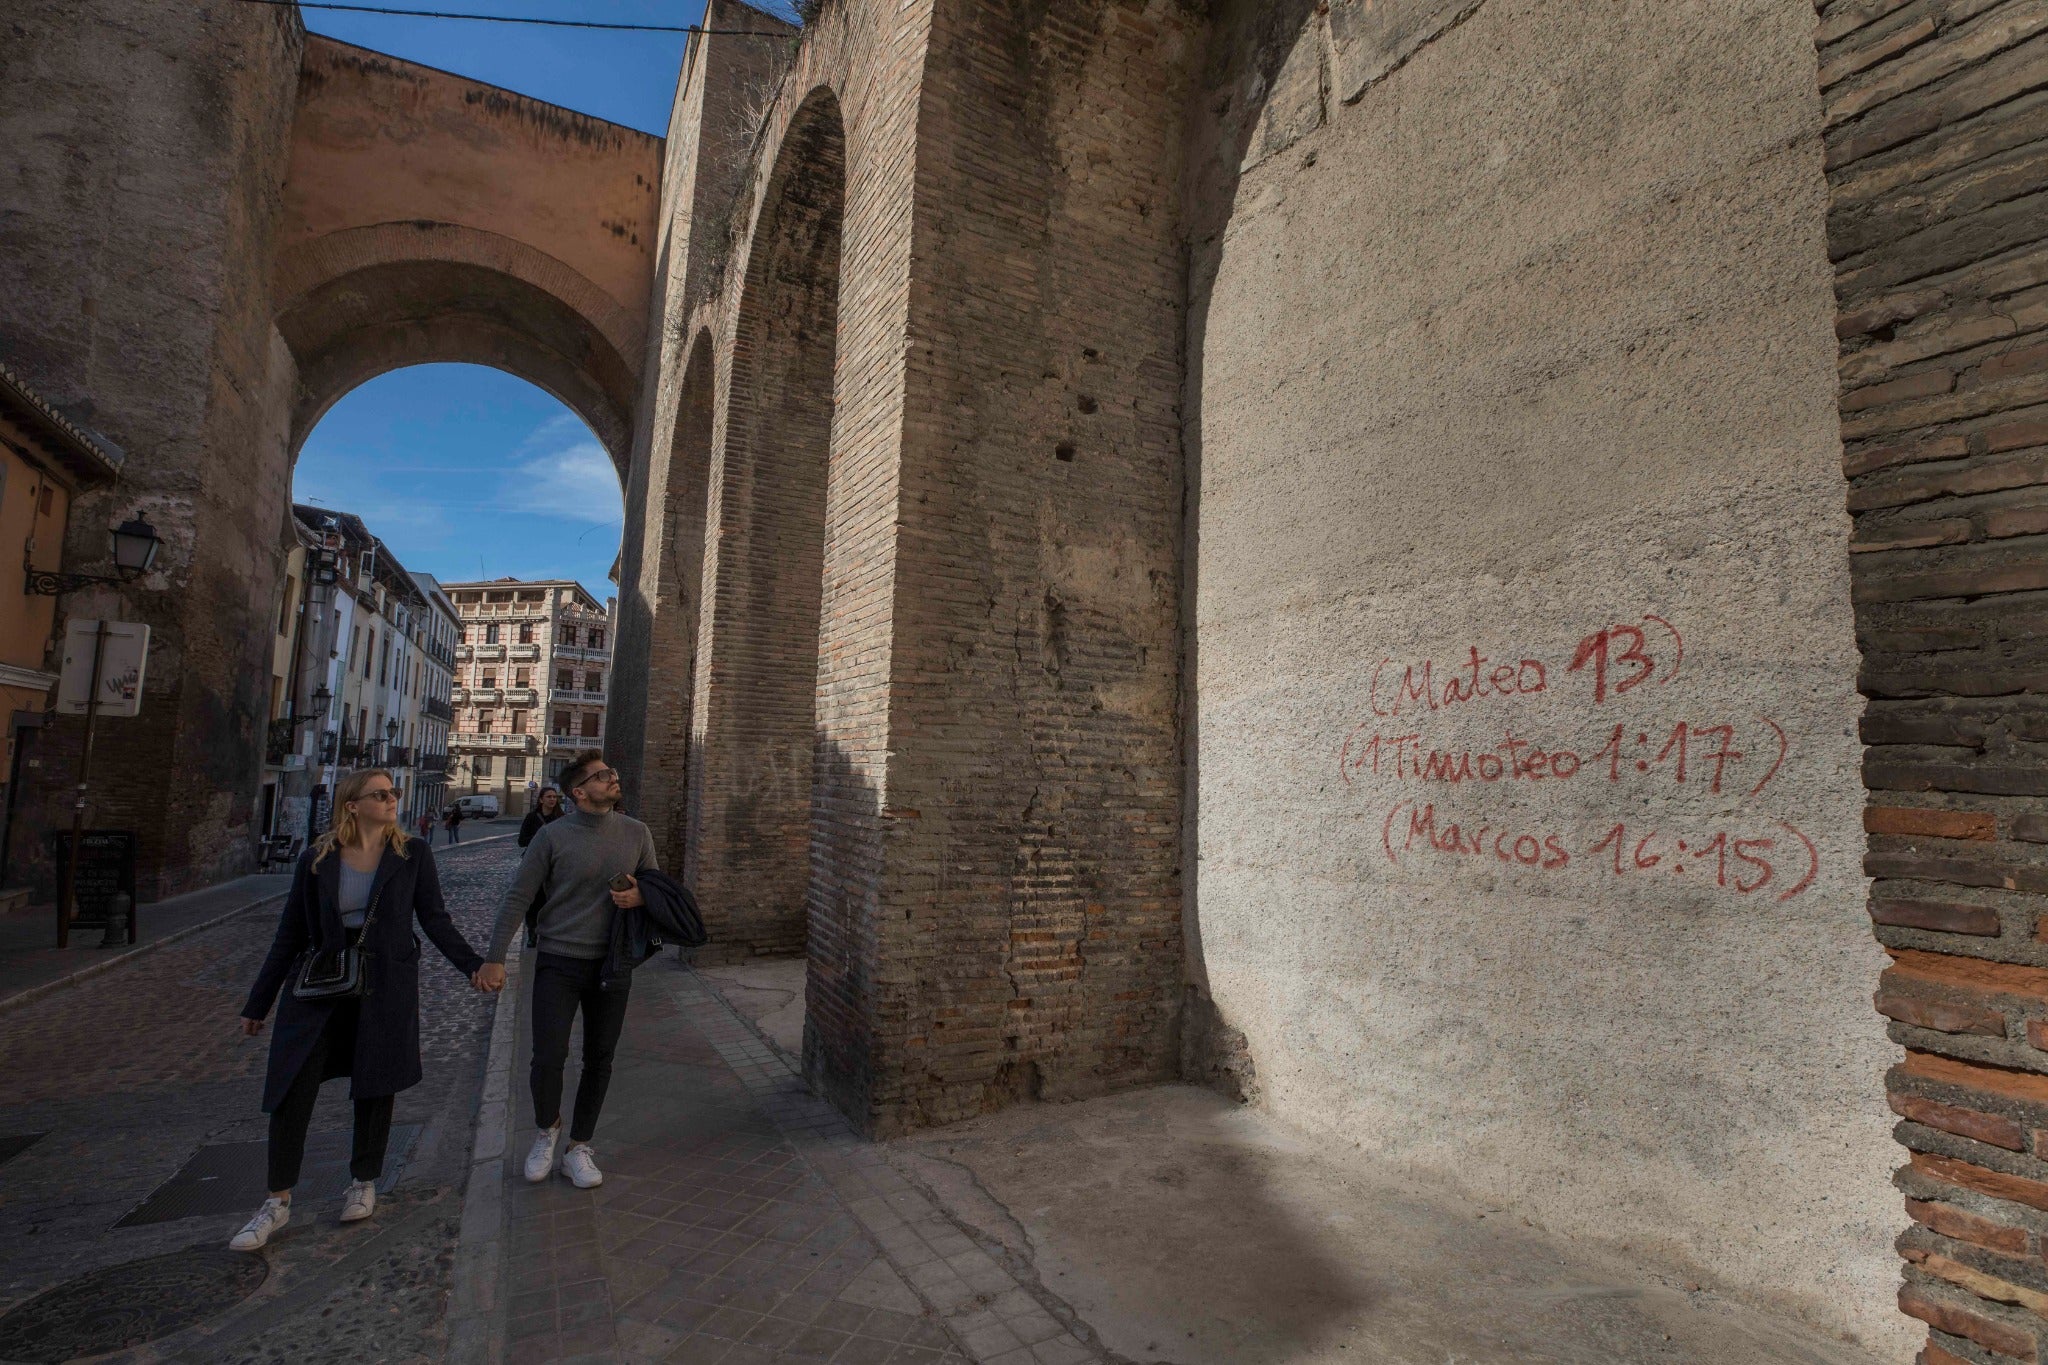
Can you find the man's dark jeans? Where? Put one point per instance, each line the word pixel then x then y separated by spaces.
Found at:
pixel 562 985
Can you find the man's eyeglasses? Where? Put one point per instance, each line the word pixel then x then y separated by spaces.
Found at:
pixel 382 794
pixel 598 775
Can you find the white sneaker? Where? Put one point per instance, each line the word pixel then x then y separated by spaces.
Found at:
pixel 541 1159
pixel 358 1201
pixel 274 1214
pixel 579 1163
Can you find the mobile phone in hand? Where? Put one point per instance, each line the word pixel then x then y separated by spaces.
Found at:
pixel 621 882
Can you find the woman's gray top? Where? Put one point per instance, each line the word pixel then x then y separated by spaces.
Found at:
pixel 355 895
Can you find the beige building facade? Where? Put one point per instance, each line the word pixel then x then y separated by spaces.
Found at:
pixel 532 669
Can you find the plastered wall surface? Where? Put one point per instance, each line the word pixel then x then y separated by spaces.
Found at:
pixel 1526 824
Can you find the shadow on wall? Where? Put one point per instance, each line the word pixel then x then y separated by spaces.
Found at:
pixel 1264 66
pixel 845 948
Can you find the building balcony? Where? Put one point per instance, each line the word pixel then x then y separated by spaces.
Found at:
pixel 488 652
pixel 572 741
pixel 599 655
pixel 398 756
pixel 527 652
pixel 567 695
pixel 478 696
pixel 463 651
pixel 524 744
pixel 438 709
pixel 431 765
pixel 521 696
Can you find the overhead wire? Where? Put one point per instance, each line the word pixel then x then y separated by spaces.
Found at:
pixel 515 19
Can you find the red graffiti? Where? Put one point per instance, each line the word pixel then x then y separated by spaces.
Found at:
pixel 1742 864
pixel 1688 751
pixel 1419 690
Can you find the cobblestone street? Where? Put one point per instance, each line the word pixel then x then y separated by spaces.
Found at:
pixel 127 1075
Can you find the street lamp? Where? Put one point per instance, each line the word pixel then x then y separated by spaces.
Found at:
pixel 390 738
pixel 135 544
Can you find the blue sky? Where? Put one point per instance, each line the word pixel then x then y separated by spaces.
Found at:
pixel 467 472
pixel 464 470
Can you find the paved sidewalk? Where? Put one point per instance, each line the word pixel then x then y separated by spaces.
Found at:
pixel 31 963
pixel 741 1222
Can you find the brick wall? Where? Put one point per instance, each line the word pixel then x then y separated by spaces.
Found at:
pixel 1030 914
pixel 750 858
pixel 1937 155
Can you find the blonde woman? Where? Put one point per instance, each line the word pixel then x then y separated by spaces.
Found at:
pixel 362 885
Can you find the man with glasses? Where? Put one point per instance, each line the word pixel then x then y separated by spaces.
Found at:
pixel 581 868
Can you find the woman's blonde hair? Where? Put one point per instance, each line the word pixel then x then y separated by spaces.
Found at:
pixel 344 829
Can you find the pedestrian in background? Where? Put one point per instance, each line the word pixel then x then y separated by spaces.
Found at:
pixel 547 809
pixel 427 828
pixel 581 867
pixel 453 822
pixel 363 885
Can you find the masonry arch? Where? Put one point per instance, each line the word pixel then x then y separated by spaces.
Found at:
pixel 676 619
pixel 751 793
pixel 359 303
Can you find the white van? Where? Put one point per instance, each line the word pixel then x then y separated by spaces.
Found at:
pixel 477 807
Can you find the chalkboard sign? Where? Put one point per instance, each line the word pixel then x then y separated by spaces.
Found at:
pixel 105 872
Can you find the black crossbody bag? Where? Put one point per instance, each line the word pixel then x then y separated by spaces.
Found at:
pixel 340 975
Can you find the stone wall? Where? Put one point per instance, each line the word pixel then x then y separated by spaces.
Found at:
pixel 1937 156
pixel 1522 677
pixel 146 152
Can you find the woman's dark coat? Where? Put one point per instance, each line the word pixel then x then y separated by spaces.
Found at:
pixel 533 822
pixel 386 1056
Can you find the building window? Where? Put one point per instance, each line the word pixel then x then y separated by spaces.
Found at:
pixel 568 635
pixel 490 677
pixel 518 722
pixel 515 765
pixel 596 638
pixel 522 677
pixel 525 632
pixel 565 679
pixel 491 634
pixel 483 722
pixel 590 725
pixel 483 765
pixel 562 723
pixel 593 681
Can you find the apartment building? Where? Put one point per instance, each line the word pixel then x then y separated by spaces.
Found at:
pixel 439 628
pixel 532 665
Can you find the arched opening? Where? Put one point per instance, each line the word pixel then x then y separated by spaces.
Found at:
pixel 451 532
pixel 672 647
pixel 751 786
pixel 362 323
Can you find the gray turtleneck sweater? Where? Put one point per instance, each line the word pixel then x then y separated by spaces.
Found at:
pixel 573 861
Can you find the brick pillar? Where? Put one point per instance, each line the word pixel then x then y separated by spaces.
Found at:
pixel 672 617
pixel 1937 158
pixel 750 789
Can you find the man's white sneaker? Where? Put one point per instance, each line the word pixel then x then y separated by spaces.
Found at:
pixel 580 1165
pixel 358 1201
pixel 541 1159
pixel 274 1214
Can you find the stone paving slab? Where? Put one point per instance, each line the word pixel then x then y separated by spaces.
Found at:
pixel 724 1235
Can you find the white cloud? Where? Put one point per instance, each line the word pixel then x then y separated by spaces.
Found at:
pixel 575 481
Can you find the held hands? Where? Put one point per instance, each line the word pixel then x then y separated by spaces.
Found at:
pixel 251 1027
pixel 630 898
pixel 489 977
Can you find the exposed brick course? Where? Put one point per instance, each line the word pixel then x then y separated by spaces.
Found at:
pixel 1937 158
